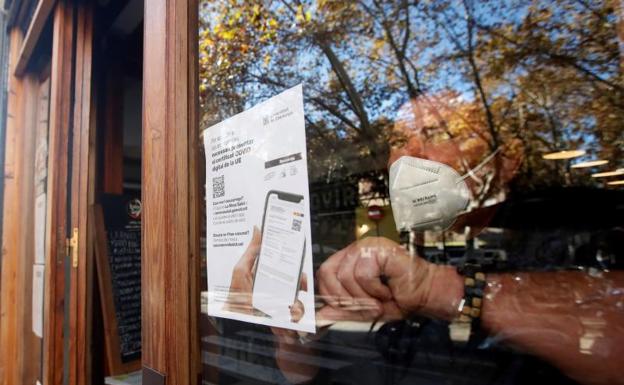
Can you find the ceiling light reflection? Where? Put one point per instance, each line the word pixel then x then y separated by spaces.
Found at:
pixel 590 163
pixel 616 182
pixel 617 172
pixel 566 154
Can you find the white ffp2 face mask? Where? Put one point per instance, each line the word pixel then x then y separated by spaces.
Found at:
pixel 428 195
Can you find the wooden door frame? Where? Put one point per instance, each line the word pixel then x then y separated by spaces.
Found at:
pixel 10 292
pixel 82 198
pixel 12 342
pixel 170 194
pixel 59 138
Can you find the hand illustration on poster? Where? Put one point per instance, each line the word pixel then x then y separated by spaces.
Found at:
pixel 259 259
pixel 248 288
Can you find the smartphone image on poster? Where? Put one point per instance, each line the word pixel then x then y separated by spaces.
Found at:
pixel 279 264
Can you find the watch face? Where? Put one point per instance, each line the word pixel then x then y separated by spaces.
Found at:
pixel 134 208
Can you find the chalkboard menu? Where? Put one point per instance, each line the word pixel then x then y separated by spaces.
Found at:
pixel 118 255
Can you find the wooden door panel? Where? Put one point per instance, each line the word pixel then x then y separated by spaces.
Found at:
pixel 82 198
pixel 60 113
pixel 170 246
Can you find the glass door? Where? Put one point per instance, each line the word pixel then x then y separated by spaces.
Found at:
pixel 464 167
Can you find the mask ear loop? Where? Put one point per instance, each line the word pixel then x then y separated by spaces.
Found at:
pixel 471 172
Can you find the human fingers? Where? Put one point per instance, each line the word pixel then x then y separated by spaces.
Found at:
pixel 329 286
pixel 296 311
pixel 391 259
pixel 332 291
pixel 360 312
pixel 239 303
pixel 391 311
pixel 368 272
pixel 251 253
pixel 346 274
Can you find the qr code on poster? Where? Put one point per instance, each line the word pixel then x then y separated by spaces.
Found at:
pixel 218 186
pixel 296 225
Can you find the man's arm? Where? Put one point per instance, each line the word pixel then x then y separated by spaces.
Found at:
pixel 571 319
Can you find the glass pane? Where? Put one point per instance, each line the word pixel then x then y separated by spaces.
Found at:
pixel 465 176
pixel 39 228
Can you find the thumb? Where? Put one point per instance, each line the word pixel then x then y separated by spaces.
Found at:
pixel 296 311
pixel 249 256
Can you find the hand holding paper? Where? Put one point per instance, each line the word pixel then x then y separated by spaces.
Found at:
pixel 241 287
pixel 239 298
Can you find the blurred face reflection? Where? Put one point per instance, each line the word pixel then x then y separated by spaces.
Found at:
pixel 422 128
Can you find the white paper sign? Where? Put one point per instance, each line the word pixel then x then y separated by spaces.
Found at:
pixel 37 300
pixel 40 228
pixel 257 177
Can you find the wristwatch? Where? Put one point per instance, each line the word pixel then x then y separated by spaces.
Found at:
pixel 469 310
